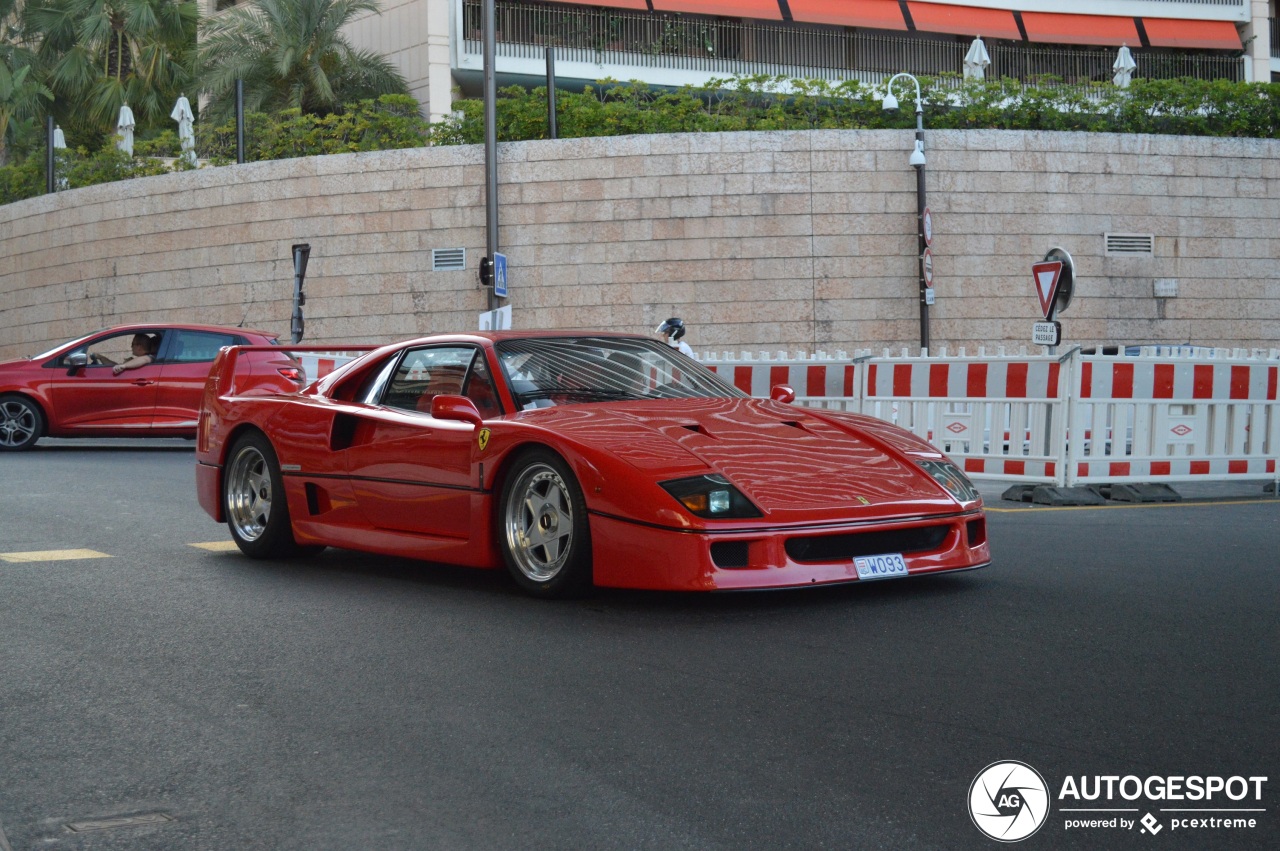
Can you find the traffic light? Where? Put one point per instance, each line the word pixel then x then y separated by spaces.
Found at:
pixel 486 272
pixel 297 325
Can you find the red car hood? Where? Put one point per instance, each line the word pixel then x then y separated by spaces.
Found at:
pixel 782 458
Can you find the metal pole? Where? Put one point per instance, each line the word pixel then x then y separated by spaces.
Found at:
pixel 490 143
pixel 240 122
pixel 49 184
pixel 551 93
pixel 920 242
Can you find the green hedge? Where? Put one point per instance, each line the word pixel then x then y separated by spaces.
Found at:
pixel 1179 107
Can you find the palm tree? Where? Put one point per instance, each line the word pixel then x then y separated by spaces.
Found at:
pixel 22 95
pixel 291 54
pixel 101 54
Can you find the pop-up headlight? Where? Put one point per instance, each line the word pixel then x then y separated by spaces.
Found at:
pixel 711 496
pixel 952 479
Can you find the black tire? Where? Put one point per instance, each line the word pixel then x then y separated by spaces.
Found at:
pixel 254 503
pixel 543 530
pixel 21 423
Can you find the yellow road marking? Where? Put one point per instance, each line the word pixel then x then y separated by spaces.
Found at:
pixel 51 555
pixel 1113 506
pixel 217 546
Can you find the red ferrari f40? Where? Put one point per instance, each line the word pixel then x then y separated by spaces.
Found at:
pixel 576 460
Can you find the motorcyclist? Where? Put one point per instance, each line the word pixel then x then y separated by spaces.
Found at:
pixel 673 332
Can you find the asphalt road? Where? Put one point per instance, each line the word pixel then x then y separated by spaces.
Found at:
pixel 163 696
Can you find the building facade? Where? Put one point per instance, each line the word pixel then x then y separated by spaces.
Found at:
pixel 437 44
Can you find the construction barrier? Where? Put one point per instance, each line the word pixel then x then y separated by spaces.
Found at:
pixel 1154 416
pixel 317 365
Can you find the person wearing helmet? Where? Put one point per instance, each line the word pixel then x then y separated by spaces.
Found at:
pixel 673 330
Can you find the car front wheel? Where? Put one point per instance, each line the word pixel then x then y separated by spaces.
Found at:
pixel 545 535
pixel 21 423
pixel 254 501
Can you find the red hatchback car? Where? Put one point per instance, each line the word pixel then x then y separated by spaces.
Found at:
pixel 76 390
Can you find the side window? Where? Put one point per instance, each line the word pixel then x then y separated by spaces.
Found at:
pixel 480 389
pixel 371 391
pixel 115 349
pixel 197 346
pixel 423 374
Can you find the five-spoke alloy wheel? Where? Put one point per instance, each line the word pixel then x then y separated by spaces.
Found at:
pixel 254 501
pixel 545 535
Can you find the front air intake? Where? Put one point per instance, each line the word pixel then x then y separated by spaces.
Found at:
pixel 730 554
pixel 849 545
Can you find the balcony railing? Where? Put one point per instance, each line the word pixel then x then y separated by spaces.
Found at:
pixel 726 48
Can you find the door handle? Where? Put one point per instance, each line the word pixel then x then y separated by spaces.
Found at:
pixel 142 382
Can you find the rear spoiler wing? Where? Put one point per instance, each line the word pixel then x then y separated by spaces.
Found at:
pixel 263 370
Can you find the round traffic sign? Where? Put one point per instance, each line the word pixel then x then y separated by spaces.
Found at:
pixel 926 226
pixel 927 263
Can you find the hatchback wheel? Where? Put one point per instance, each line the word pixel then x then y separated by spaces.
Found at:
pixel 21 423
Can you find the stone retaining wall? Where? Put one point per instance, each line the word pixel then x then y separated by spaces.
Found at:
pixel 787 240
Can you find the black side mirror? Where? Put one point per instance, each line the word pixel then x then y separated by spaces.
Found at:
pixel 76 361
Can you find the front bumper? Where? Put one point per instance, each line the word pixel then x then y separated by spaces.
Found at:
pixel 631 555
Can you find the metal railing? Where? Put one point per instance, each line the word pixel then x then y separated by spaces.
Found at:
pixel 730 48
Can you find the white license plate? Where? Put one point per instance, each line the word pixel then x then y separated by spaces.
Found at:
pixel 885 566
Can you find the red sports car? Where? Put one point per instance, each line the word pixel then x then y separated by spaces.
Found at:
pixel 130 381
pixel 577 460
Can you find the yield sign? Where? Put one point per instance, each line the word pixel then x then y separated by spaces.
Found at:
pixel 1047 275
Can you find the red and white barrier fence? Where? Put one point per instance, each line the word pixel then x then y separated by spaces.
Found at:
pixel 1077 419
pixel 318 364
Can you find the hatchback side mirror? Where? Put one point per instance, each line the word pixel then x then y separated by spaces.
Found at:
pixel 460 408
pixel 782 393
pixel 76 361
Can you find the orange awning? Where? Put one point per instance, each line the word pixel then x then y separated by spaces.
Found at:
pixel 875 14
pixel 767 9
pixel 964 20
pixel 1080 29
pixel 612 4
pixel 1205 35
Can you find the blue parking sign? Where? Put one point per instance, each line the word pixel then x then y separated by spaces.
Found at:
pixel 500 275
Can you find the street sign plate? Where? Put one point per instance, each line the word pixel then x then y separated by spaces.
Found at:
pixel 928 267
pixel 1046 275
pixel 929 296
pixel 500 275
pixel 1046 333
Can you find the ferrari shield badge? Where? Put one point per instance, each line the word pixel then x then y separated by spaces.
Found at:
pixel 483 439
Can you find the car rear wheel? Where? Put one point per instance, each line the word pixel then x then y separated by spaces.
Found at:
pixel 545 535
pixel 254 501
pixel 21 423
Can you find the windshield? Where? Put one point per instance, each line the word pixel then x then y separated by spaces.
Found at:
pixel 564 370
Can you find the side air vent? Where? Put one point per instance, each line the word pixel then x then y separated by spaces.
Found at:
pixel 448 259
pixel 1126 244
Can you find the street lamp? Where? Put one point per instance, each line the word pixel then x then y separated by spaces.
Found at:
pixel 916 161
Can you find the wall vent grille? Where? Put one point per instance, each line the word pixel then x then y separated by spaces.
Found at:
pixel 448 259
pixel 1130 243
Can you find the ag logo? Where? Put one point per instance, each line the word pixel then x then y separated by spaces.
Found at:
pixel 1008 801
pixel 483 439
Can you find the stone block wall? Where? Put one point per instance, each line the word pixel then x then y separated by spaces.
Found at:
pixel 786 240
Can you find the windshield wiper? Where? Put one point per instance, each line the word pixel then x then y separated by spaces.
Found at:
pixel 579 393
